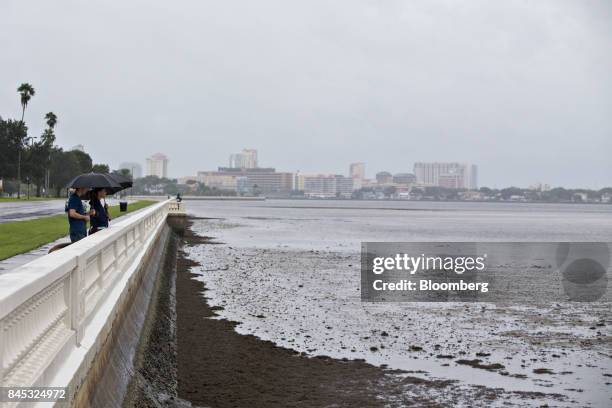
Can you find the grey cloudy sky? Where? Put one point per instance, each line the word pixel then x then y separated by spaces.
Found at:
pixel 521 88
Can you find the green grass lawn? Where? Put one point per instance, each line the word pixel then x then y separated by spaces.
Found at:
pixel 23 236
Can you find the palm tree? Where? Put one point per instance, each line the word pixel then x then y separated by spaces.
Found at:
pixel 46 140
pixel 27 92
pixel 51 119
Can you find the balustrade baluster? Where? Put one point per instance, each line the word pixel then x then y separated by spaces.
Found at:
pixel 35 331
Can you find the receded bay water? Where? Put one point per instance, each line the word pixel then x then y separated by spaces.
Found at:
pixel 289 272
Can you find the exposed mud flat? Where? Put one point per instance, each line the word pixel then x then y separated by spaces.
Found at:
pixel 219 367
pixel 154 380
pixel 308 301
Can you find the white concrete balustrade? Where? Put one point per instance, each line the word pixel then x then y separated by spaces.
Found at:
pixel 53 309
pixel 176 208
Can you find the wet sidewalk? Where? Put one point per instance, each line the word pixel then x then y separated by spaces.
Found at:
pixel 16 261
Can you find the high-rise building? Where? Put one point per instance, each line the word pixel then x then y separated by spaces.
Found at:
pixel 344 186
pixel 134 168
pixel 357 170
pixel 357 173
pixel 451 180
pixel 428 173
pixel 458 175
pixel 471 177
pixel 157 165
pixel 78 147
pixel 298 182
pixel 265 180
pixel 247 159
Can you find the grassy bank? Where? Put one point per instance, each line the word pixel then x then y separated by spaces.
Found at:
pixel 23 236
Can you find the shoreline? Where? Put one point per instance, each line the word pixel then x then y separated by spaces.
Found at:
pixel 219 367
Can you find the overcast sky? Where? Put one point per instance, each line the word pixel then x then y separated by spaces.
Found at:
pixel 523 89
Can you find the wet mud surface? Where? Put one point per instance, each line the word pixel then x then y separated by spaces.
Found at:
pixel 292 277
pixel 220 367
pixel 154 380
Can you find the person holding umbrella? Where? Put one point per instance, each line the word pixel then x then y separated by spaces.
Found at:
pixel 100 217
pixel 77 216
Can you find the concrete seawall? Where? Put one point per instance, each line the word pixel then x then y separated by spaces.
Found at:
pixel 154 382
pixel 74 318
pixel 108 378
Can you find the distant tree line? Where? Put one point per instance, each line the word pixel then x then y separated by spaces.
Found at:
pixel 554 195
pixel 37 160
pixel 153 185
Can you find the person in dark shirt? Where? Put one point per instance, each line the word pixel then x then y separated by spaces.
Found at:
pixel 100 217
pixel 77 216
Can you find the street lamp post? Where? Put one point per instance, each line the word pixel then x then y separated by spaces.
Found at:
pixel 132 187
pixel 19 172
pixel 31 139
pixel 19 160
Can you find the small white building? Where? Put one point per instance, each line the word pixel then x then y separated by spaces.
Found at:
pixel 325 185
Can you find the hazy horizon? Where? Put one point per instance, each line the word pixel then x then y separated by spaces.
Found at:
pixel 522 89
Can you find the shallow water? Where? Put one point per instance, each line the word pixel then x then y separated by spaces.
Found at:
pixel 344 224
pixel 289 272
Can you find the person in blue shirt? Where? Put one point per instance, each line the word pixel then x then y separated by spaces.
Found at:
pixel 77 216
pixel 100 216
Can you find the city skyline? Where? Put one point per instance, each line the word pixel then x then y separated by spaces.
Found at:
pixel 471 180
pixel 522 89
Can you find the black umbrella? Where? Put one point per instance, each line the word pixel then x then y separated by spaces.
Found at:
pixel 123 182
pixel 94 180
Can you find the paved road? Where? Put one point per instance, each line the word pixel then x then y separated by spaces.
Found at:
pixel 25 210
pixel 51 208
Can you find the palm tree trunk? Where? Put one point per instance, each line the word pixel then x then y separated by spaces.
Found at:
pixel 19 158
pixel 19 173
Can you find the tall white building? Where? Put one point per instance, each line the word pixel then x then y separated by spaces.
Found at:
pixel 471 177
pixel 357 173
pixel 357 170
pixel 247 159
pixel 157 165
pixel 451 175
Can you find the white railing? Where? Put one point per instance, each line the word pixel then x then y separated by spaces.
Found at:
pixel 47 304
pixel 176 208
